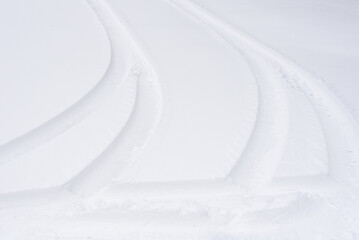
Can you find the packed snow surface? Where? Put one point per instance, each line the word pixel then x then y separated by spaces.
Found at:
pixel 179 119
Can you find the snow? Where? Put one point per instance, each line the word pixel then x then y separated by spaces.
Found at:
pixel 179 119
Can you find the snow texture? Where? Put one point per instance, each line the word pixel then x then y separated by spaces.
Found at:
pixel 179 119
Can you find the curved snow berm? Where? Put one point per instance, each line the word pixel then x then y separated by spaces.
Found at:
pixel 210 97
pixel 141 124
pixel 113 78
pixel 211 135
pixel 337 122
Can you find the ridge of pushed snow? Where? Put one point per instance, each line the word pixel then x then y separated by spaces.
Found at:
pixel 195 131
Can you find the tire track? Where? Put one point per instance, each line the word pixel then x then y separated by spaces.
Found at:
pixel 110 83
pixel 259 159
pixel 334 117
pixel 139 128
pixel 203 209
pixel 264 150
pixel 306 151
pixel 145 102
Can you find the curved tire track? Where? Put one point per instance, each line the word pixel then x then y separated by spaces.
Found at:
pixel 255 167
pixel 140 127
pixel 258 160
pixel 265 147
pixel 142 97
pixel 112 79
pixel 334 117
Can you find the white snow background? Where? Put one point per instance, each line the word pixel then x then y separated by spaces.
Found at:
pixel 179 119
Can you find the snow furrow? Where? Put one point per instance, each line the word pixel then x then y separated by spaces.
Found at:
pixel 140 127
pixel 109 84
pixel 264 151
pixel 216 136
pixel 306 151
pixel 257 163
pixel 141 106
pixel 342 157
pixel 214 122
